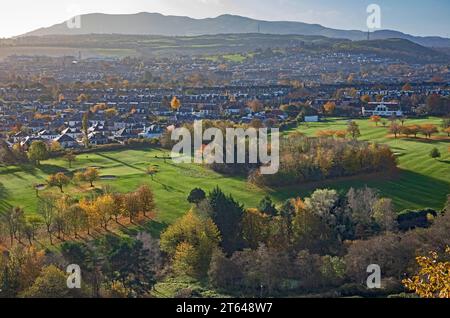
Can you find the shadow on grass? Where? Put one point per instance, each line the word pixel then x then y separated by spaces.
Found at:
pixel 4 206
pixel 154 228
pixel 52 169
pixel 121 162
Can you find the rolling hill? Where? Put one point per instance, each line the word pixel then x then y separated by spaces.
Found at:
pixel 158 24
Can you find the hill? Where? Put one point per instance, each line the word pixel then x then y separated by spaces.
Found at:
pixel 147 45
pixel 158 24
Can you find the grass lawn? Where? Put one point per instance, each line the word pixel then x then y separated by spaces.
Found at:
pixel 422 181
pixel 171 185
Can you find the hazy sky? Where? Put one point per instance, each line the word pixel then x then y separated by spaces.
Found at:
pixel 419 17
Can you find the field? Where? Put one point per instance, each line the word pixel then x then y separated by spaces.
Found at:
pixel 421 182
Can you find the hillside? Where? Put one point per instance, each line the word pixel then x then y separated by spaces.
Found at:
pixel 143 45
pixel 158 24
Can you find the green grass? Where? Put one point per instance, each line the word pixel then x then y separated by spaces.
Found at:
pixel 171 185
pixel 422 181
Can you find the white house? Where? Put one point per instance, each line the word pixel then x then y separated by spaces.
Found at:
pixel 382 109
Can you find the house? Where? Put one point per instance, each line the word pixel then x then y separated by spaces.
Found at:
pixel 97 139
pixel 382 109
pixel 154 131
pixel 66 141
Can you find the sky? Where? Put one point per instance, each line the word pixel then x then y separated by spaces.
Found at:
pixel 417 17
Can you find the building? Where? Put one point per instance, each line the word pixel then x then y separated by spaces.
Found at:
pixel 382 109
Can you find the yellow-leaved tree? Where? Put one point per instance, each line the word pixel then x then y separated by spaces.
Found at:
pixel 433 278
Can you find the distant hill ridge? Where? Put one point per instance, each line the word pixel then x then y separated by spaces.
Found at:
pixel 157 24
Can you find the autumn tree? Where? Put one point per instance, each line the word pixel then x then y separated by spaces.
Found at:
pixel 433 278
pixel 428 130
pixel 255 228
pixel 365 99
pixel 329 108
pixel 58 180
pixel 385 215
pixel 190 243
pixel 91 175
pixel 146 199
pixel 395 129
pixel 255 105
pixel 51 283
pixel 175 104
pixel 375 119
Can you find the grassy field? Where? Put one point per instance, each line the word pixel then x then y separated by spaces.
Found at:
pixel 421 182
pixel 171 185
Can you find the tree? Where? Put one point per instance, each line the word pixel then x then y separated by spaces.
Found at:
pixel 14 219
pixel 46 208
pixel 329 108
pixel 130 206
pixel 58 180
pixel 395 129
pixel 366 99
pixel 433 278
pixel 267 207
pixel 104 207
pixel 6 154
pixel 85 129
pixel 223 273
pixel 255 105
pixel 51 283
pixel 70 157
pixel 76 218
pixel 146 199
pixel 227 215
pixel 375 119
pixel 38 151
pixel 255 228
pixel 353 130
pixel 428 130
pixel 384 214
pixel 435 153
pixel 175 104
pixel 196 196
pixel 190 243
pixel 91 175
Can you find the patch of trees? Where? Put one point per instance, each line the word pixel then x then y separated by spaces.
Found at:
pixel 323 242
pixel 313 159
pixel 114 267
pixel 64 217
